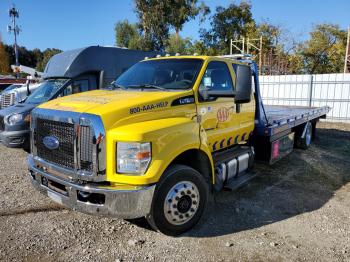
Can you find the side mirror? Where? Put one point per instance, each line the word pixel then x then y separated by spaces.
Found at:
pixel 206 93
pixel 243 84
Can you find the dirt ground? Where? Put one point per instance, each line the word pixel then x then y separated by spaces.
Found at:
pixel 295 210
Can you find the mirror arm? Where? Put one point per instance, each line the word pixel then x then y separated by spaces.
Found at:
pixel 221 95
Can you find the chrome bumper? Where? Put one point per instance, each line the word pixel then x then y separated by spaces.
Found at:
pixel 117 201
pixel 14 138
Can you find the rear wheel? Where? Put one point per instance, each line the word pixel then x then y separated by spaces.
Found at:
pixel 179 200
pixel 304 136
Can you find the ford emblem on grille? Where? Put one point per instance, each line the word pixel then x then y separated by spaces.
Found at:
pixel 51 142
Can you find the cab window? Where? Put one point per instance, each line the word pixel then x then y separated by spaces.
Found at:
pixel 68 90
pixel 76 87
pixel 217 77
pixel 80 86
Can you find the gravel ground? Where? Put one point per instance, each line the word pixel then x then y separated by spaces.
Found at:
pixel 298 209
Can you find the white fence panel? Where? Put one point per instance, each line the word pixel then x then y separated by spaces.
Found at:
pixel 310 90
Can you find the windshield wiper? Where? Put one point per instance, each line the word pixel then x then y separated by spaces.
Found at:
pixel 147 86
pixel 115 85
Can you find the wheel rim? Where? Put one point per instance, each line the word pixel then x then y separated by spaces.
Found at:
pixel 181 203
pixel 308 135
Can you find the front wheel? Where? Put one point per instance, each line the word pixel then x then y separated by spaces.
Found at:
pixel 179 200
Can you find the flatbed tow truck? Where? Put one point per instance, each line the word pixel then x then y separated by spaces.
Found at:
pixel 171 131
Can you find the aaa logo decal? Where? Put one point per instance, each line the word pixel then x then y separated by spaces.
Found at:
pixel 223 114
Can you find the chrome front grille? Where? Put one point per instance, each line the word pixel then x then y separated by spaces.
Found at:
pixel 65 134
pixel 86 148
pixel 81 150
pixel 7 100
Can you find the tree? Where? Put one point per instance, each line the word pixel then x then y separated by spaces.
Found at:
pixel 271 34
pixel 199 47
pixel 182 11
pixel 295 62
pixel 176 44
pixel 153 22
pixel 126 34
pixel 4 60
pixel 26 57
pixel 47 54
pixel 232 22
pixel 37 56
pixel 324 52
pixel 156 18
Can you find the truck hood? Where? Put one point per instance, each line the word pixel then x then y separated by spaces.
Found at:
pixel 17 109
pixel 116 106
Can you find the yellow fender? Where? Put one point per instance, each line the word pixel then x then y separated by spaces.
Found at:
pixel 169 138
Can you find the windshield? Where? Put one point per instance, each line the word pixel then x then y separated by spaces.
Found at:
pixel 11 87
pixel 46 90
pixel 165 74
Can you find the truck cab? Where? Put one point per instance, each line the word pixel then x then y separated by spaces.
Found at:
pixel 16 94
pixel 170 131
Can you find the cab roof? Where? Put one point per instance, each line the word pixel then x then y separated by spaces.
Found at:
pixel 202 57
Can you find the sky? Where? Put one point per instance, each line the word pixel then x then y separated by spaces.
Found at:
pixel 69 24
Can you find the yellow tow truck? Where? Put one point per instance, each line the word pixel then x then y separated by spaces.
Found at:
pixel 168 133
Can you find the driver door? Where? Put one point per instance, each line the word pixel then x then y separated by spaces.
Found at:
pixel 218 115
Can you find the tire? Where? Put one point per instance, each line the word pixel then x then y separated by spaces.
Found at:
pixel 179 200
pixel 304 142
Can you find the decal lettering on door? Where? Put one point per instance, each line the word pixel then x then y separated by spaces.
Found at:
pixel 223 114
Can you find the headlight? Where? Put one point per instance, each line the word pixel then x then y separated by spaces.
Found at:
pixel 15 119
pixel 133 158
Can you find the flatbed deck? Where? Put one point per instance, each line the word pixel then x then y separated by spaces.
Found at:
pixel 281 118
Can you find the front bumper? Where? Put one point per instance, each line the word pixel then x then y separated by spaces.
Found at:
pixel 15 138
pixel 117 201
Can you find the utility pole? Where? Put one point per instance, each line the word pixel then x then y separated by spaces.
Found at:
pixel 14 14
pixel 347 55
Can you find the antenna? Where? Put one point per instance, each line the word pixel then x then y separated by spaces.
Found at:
pixel 14 14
